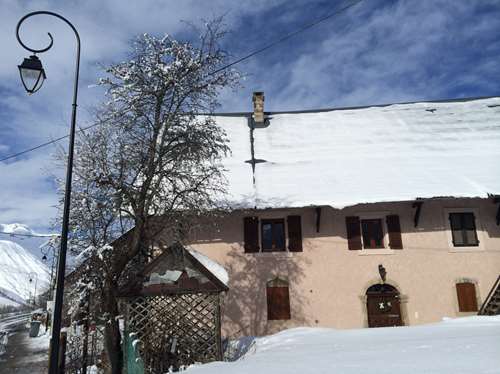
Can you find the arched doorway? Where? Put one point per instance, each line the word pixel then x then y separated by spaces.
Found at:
pixel 383 306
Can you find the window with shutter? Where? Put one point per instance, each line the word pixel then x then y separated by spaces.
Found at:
pixel 394 231
pixel 273 235
pixel 251 234
pixel 463 229
pixel 278 300
pixel 353 233
pixel 373 234
pixel 466 294
pixel 294 234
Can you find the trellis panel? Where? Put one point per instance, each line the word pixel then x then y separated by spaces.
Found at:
pixel 176 329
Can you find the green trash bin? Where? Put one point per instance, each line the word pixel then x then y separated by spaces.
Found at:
pixel 34 328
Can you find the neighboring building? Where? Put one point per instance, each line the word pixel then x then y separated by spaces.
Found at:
pixel 327 203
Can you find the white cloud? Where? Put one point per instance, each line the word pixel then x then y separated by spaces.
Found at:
pixel 372 54
pixel 105 28
pixel 26 192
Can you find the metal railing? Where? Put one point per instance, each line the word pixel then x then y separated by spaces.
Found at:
pixel 489 297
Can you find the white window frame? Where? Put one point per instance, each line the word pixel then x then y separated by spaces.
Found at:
pixel 261 252
pixel 375 251
pixel 479 230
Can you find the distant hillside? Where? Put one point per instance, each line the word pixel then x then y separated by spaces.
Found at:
pixel 17 267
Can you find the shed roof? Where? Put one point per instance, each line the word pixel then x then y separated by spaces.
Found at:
pixel 343 157
pixel 177 270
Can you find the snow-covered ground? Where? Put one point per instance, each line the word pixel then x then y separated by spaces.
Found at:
pixel 17 268
pixel 464 345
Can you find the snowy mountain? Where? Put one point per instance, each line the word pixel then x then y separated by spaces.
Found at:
pixel 21 274
pixel 21 229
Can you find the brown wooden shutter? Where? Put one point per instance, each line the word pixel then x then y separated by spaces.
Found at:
pixel 278 303
pixel 294 234
pixel 251 234
pixel 353 233
pixel 394 230
pixel 466 294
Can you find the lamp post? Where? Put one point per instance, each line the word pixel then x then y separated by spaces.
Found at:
pixel 34 275
pixel 52 265
pixel 32 76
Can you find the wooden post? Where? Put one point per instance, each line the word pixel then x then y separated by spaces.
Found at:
pixel 220 354
pixel 62 352
pixel 86 337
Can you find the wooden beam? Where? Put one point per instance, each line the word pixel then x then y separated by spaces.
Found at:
pixel 496 200
pixel 418 206
pixel 318 218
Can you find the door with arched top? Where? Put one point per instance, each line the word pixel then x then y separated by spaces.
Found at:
pixel 383 306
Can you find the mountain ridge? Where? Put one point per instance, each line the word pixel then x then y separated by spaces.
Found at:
pixel 22 275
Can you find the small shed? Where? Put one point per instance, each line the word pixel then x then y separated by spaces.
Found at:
pixel 175 309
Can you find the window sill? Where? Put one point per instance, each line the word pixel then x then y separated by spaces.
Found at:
pixel 370 252
pixel 465 249
pixel 272 254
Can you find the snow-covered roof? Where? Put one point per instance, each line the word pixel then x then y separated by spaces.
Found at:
pixel 180 269
pixel 343 157
pixel 214 267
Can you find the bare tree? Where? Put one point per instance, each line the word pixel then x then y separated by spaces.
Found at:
pixel 150 155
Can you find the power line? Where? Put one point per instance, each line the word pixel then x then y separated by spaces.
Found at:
pixel 45 144
pixel 246 57
pixel 288 36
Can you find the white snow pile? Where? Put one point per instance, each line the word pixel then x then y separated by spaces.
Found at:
pixel 348 156
pixel 20 229
pixel 169 277
pixel 465 345
pixel 214 267
pixel 17 267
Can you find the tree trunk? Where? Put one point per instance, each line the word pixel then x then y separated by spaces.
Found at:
pixel 110 303
pixel 112 336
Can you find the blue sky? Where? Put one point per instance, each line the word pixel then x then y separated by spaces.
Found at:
pixel 380 51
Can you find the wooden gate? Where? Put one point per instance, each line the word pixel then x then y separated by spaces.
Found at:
pixel 383 306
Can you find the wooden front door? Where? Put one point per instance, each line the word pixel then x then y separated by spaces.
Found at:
pixel 383 306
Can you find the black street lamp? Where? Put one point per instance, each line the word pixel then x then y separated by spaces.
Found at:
pixel 32 76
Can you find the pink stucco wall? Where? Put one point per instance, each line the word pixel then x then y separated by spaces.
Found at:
pixel 328 282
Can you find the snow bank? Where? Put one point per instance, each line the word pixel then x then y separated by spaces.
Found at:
pixel 350 156
pixel 10 302
pixel 215 268
pixel 468 345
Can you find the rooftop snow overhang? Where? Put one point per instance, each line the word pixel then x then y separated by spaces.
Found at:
pixel 349 156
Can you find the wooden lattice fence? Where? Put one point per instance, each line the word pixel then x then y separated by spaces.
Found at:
pixel 176 329
pixel 85 349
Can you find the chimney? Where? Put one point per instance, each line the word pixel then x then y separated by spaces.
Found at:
pixel 258 107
